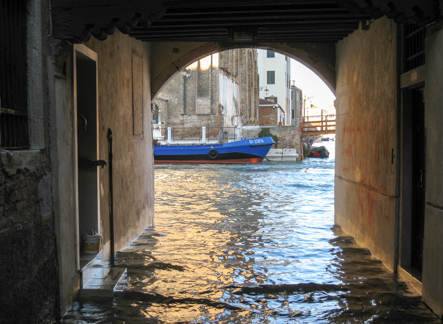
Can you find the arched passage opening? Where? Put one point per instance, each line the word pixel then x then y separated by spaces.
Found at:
pixel 238 105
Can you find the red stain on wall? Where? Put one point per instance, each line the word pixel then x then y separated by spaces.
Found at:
pixel 366 150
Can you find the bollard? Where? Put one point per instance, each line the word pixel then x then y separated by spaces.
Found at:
pixel 204 134
pixel 239 134
pixel 169 135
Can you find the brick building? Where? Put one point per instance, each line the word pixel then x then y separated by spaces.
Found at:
pixel 269 113
pixel 218 91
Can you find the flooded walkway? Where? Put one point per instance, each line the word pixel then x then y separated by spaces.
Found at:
pixel 251 244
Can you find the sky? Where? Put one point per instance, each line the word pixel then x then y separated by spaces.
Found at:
pixel 311 85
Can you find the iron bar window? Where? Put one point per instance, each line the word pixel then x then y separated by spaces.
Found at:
pixel 13 75
pixel 413 46
pixel 14 129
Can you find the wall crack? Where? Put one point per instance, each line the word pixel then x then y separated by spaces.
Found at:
pixel 368 187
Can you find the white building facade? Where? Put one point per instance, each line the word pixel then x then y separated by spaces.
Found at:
pixel 274 71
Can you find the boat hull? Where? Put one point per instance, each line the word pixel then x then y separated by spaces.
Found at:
pixel 226 161
pixel 245 151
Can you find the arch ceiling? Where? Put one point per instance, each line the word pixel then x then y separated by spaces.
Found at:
pixel 182 31
pixel 229 20
pixel 173 56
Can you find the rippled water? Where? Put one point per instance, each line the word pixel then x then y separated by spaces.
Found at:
pixel 251 244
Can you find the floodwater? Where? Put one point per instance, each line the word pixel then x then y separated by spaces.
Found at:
pixel 251 244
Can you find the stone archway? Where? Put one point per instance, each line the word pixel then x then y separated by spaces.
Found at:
pixel 168 58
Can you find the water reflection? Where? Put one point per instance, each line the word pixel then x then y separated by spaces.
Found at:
pixel 250 244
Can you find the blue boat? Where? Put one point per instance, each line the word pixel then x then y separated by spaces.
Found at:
pixel 244 151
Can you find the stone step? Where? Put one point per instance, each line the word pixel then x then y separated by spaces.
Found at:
pixel 101 281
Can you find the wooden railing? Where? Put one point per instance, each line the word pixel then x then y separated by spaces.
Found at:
pixel 317 125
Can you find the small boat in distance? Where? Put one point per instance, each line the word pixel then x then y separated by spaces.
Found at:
pixel 244 151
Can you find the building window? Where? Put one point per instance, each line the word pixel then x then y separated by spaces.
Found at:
pixel 13 77
pixel 271 77
pixel 271 99
pixel 270 54
pixel 155 114
pixel 413 46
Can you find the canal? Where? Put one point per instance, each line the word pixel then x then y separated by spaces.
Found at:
pixel 251 244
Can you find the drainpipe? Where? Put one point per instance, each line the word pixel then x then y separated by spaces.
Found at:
pixel 111 198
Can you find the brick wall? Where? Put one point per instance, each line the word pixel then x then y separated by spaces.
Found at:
pixel 288 136
pixel 187 108
pixel 203 106
pixel 268 116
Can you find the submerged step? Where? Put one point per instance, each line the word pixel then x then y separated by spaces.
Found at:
pixel 101 282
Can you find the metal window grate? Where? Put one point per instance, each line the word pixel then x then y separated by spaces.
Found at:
pixel 13 129
pixel 413 46
pixel 13 76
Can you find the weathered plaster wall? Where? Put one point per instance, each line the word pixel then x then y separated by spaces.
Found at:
pixel 133 163
pixel 240 65
pixel 28 271
pixel 433 236
pixel 62 148
pixel 366 135
pixel 229 100
pixel 28 259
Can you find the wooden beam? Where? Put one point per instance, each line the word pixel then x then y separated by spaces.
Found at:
pixel 159 31
pixel 257 23
pixel 265 4
pixel 102 3
pixel 256 18
pixel 317 133
pixel 173 12
pixel 278 20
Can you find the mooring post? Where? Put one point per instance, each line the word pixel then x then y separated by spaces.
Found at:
pixel 169 135
pixel 204 134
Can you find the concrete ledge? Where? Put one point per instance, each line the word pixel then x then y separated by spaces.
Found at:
pixel 100 281
pixel 410 280
pixel 280 155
